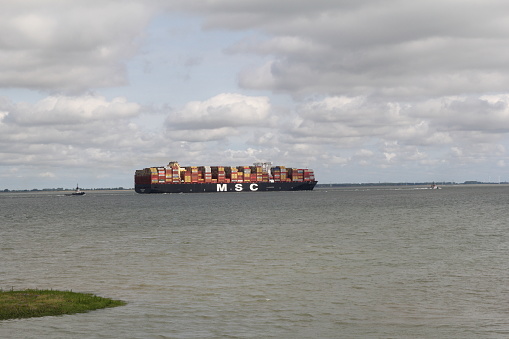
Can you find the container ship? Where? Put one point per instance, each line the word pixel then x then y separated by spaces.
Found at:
pixel 260 177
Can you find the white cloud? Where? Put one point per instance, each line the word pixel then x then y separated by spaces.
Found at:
pixel 65 110
pixel 61 129
pixel 68 46
pixel 396 48
pixel 389 156
pixel 47 175
pixel 217 117
pixel 364 153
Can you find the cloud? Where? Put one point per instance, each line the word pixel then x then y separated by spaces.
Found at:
pixel 62 129
pixel 430 119
pixel 394 48
pixel 375 132
pixel 65 110
pixel 68 46
pixel 487 113
pixel 218 117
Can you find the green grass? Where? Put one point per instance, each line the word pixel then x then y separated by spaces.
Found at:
pixel 40 303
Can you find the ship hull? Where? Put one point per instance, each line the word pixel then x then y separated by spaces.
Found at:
pixel 225 187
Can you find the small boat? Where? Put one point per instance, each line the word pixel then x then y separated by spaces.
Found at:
pixel 77 191
pixel 434 186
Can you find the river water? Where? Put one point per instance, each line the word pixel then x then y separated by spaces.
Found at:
pixel 331 263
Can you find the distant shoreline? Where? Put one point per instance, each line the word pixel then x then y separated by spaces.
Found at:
pixel 318 186
pixel 421 184
pixel 64 190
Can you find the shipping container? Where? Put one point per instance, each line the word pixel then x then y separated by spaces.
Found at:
pixel 174 178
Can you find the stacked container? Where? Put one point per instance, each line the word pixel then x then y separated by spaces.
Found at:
pixel 173 172
pixel 261 172
pixel 154 179
pixel 207 174
pixel 232 173
pixel 221 174
pixel 256 173
pixel 246 172
pixel 194 174
pixel 144 177
pixel 276 174
pixel 309 175
pixel 284 174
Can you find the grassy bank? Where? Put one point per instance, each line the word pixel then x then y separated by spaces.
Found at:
pixel 40 303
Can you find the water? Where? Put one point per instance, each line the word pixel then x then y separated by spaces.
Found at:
pixel 340 263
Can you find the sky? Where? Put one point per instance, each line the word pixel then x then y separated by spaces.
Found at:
pixel 360 91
